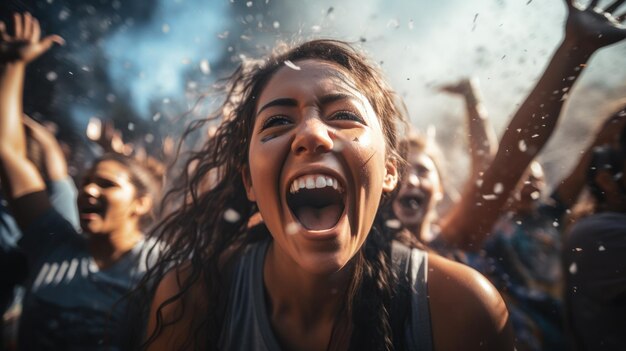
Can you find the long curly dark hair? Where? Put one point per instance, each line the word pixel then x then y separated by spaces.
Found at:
pixel 211 212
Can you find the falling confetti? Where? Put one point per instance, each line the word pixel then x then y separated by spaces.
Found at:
pixel 393 224
pixel 52 76
pixel 94 128
pixel 231 215
pixel 292 228
pixel 498 188
pixel 205 67
pixel 292 65
pixel 573 268
pixel 522 146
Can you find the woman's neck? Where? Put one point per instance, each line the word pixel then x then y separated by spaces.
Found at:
pixel 301 303
pixel 106 249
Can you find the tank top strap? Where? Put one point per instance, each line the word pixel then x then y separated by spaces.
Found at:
pixel 246 324
pixel 410 311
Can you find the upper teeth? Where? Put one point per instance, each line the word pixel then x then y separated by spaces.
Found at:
pixel 314 181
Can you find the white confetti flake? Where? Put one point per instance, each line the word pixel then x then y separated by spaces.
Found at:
pixel 573 268
pixel 165 28
pixel 292 65
pixel 522 145
pixel 490 197
pixel 601 248
pixel 292 228
pixel 205 67
pixel 276 24
pixel 393 23
pixel 393 224
pixel 231 215
pixel 52 76
pixel 64 14
pixel 131 126
pixel 94 128
pixel 535 195
pixel 498 188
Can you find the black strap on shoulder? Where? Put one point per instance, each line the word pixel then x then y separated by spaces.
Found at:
pixel 401 299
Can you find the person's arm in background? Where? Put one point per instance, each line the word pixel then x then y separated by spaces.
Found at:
pixel 60 185
pixel 482 139
pixel 586 31
pixel 570 187
pixel 20 177
pixel 53 158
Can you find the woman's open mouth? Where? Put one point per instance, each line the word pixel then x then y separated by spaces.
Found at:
pixel 89 209
pixel 316 201
pixel 411 202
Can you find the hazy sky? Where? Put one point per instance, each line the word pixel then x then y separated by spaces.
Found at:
pixel 421 44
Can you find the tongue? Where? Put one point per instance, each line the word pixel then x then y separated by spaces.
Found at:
pixel 314 218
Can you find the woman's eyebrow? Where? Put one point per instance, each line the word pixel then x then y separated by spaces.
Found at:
pixel 330 98
pixel 279 102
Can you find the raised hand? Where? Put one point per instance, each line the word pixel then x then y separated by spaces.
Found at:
pixel 25 44
pixel 462 87
pixel 593 27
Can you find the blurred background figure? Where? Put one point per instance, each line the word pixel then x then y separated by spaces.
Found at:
pixel 595 252
pixel 75 280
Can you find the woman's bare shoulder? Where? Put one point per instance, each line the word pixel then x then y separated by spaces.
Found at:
pixel 467 312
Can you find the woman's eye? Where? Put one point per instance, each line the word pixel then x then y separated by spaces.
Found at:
pixel 103 183
pixel 276 121
pixel 346 116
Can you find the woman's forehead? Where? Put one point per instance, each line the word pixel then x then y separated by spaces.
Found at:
pixel 110 169
pixel 310 76
pixel 422 159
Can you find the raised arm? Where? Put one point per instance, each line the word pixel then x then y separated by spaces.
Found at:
pixel 586 31
pixel 482 138
pixel 19 175
pixel 53 157
pixel 570 187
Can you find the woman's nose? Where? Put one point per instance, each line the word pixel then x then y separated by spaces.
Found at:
pixel 413 180
pixel 313 136
pixel 91 189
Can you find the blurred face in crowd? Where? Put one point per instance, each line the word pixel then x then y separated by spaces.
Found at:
pixel 107 200
pixel 419 192
pixel 317 164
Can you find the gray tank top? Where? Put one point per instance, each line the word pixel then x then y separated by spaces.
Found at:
pixel 247 325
